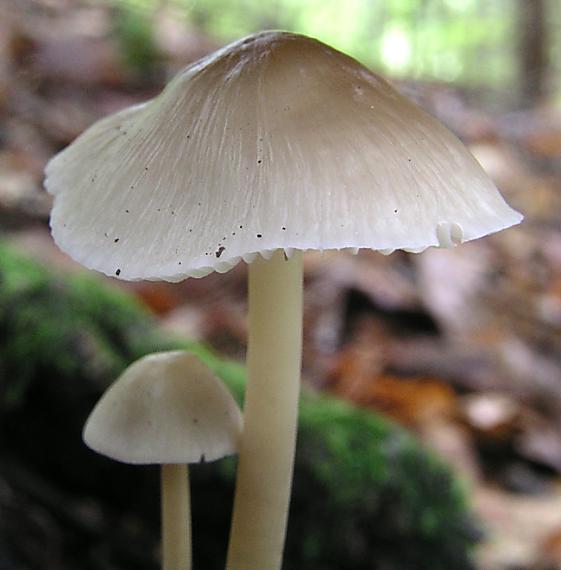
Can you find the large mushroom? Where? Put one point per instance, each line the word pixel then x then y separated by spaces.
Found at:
pixel 271 146
pixel 168 409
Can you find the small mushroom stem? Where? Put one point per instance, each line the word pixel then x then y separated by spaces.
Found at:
pixel 176 518
pixel 268 440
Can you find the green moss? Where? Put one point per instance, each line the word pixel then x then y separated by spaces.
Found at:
pixel 366 494
pixel 133 28
pixel 405 508
pixel 65 326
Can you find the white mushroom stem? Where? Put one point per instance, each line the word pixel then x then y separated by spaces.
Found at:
pixel 267 448
pixel 176 518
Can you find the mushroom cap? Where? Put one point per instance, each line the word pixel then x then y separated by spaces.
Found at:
pixel 274 142
pixel 167 407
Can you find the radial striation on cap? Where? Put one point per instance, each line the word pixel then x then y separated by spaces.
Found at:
pixel 165 408
pixel 274 142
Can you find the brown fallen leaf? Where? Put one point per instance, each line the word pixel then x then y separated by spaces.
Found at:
pixel 411 401
pixel 546 143
pixel 549 552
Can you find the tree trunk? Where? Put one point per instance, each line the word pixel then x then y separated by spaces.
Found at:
pixel 533 46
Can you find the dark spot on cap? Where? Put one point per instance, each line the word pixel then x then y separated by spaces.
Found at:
pixel 127 211
pixel 259 235
pixel 283 228
pixel 118 272
pixel 396 211
pixel 115 240
pixel 241 227
pixel 219 251
pixel 259 161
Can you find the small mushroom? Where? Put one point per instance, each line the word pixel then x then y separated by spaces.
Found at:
pixel 273 145
pixel 169 409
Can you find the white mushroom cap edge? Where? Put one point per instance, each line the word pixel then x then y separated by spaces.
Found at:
pixel 274 142
pixel 165 408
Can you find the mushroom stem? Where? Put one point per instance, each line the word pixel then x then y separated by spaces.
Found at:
pixel 268 440
pixel 176 518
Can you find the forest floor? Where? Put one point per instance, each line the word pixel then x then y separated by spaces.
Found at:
pixel 461 346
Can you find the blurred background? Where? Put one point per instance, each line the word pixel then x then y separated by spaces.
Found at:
pixel 462 347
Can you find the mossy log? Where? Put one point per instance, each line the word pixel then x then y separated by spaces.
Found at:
pixel 366 494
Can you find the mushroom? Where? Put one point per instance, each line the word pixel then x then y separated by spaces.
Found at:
pixel 271 146
pixel 167 408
